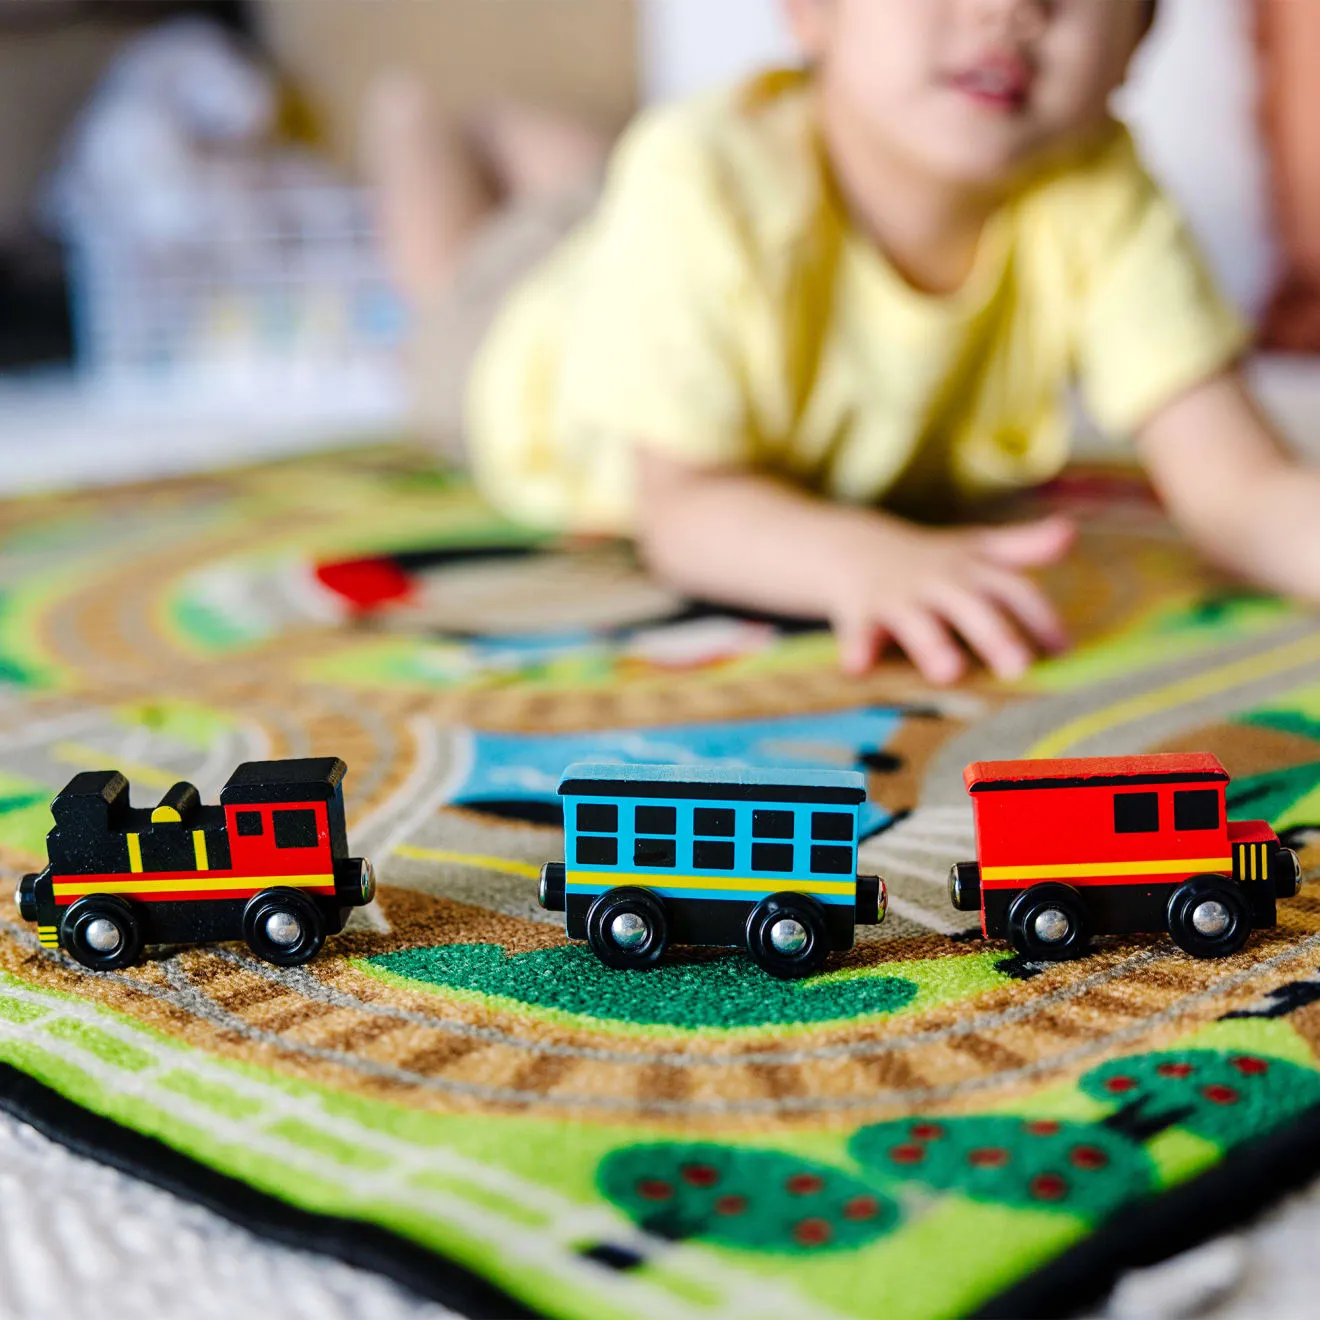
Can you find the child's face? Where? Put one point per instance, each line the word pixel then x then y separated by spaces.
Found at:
pixel 973 91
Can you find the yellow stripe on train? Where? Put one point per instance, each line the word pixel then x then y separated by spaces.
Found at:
pixel 768 885
pixel 1253 861
pixel 1098 870
pixel 182 885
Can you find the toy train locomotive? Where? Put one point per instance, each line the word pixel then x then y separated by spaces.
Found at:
pixel 269 865
pixel 1109 845
pixel 660 855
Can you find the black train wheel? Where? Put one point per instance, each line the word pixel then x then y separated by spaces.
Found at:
pixel 1049 922
pixel 284 927
pixel 1209 916
pixel 102 932
pixel 627 928
pixel 787 936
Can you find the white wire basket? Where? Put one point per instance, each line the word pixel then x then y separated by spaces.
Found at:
pixel 278 287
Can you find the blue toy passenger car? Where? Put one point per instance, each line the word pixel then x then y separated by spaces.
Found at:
pixel 672 854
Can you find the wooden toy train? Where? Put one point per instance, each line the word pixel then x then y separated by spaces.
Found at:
pixel 765 860
pixel 269 865
pixel 1116 844
pixel 1067 849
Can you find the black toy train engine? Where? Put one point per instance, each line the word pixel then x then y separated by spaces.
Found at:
pixel 269 865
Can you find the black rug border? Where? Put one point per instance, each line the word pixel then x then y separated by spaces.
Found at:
pixel 1250 1179
pixel 1253 1177
pixel 354 1241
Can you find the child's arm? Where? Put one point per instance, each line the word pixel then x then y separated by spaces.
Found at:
pixel 1225 478
pixel 747 539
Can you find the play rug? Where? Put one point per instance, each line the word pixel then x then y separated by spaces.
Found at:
pixel 455 1096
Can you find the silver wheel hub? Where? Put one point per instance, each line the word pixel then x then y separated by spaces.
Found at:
pixel 102 935
pixel 629 931
pixel 1052 926
pixel 283 928
pixel 1211 918
pixel 788 936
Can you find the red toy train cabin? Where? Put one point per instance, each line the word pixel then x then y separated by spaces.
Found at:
pixel 1108 845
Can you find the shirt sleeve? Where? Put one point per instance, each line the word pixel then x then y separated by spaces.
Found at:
pixel 1151 322
pixel 651 349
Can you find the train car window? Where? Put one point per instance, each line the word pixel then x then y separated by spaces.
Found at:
pixel 772 825
pixel 597 850
pixel 833 826
pixel 1196 809
pixel 653 852
pixel 712 855
pixel 831 861
pixel 655 820
pixel 295 829
pixel 598 817
pixel 248 823
pixel 714 820
pixel 1136 813
pixel 772 856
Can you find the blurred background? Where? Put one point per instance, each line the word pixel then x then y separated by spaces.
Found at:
pixel 190 267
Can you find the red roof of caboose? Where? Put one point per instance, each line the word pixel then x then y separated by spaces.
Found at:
pixel 1069 772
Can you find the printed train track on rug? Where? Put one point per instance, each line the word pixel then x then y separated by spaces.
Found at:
pixel 454 1095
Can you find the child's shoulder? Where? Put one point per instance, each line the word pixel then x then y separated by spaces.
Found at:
pixel 1097 197
pixel 746 150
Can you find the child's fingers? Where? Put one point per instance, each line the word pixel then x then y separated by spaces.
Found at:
pixel 1026 602
pixel 1027 545
pixel 928 644
pixel 986 629
pixel 860 641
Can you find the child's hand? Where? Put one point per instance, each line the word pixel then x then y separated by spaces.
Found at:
pixel 916 586
pixel 754 541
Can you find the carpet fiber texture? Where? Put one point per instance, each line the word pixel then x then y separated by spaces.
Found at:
pixel 454 1095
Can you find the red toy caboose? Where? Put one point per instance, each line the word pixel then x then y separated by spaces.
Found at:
pixel 1114 844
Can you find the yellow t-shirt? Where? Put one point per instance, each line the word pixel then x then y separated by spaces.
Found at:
pixel 719 307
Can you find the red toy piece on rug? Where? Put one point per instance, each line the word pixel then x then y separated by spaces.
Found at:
pixel 1103 845
pixel 365 584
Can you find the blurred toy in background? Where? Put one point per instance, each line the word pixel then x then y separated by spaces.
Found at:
pixel 176 115
pixel 765 860
pixel 198 240
pixel 269 865
pixel 1117 844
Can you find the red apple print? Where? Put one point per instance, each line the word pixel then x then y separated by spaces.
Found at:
pixel 861 1207
pixel 813 1232
pixel 1249 1066
pixel 1174 1069
pixel 1042 1127
pixel 907 1154
pixel 805 1184
pixel 700 1175
pixel 1088 1157
pixel 1048 1187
